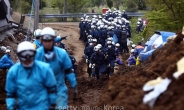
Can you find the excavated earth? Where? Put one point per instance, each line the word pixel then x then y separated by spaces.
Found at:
pixel 125 89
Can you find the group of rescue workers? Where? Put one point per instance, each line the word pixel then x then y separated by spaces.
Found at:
pixel 37 81
pixel 102 50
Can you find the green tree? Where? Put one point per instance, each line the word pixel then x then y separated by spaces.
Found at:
pixel 75 6
pixel 118 3
pixel 109 3
pixel 131 6
pixel 25 7
pixel 141 4
pixel 54 4
pixel 165 15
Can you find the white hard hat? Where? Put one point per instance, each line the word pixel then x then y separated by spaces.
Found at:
pixel 109 39
pixel 25 46
pixel 3 48
pixel 48 33
pixel 94 40
pixel 96 48
pixel 132 50
pixel 7 51
pixel 117 45
pixel 133 45
pixel 109 42
pixel 89 36
pixel 37 33
pixel 99 45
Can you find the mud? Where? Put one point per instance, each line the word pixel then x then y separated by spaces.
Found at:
pixel 126 90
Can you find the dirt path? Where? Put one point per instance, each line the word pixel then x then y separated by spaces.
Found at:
pixel 89 90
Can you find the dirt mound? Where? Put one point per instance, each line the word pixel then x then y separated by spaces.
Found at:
pixel 126 90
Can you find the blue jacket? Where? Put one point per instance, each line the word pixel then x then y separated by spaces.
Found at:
pixel 6 62
pixel 103 34
pixel 117 32
pixel 98 59
pixel 131 60
pixel 31 87
pixel 37 43
pixel 111 53
pixel 89 51
pixel 59 64
pixel 110 33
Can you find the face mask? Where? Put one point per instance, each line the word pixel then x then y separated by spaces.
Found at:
pixel 90 44
pixel 109 46
pixel 28 66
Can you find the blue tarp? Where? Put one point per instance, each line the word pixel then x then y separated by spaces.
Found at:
pixel 156 41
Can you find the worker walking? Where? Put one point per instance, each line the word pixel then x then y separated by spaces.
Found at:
pixel 61 65
pixel 30 84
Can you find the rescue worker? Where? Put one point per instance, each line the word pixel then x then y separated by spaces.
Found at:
pixel 6 61
pixel 37 43
pixel 80 26
pixel 59 43
pixel 99 61
pixel 111 56
pixel 30 84
pixel 103 36
pixel 138 49
pixel 124 46
pixel 61 65
pixel 124 15
pixel 131 60
pixel 88 52
pixel 117 51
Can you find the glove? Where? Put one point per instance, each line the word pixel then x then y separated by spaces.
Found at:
pixel 86 60
pixel 108 65
pixel 90 65
pixel 52 107
pixel 75 93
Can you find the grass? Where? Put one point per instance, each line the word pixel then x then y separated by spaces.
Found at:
pixel 135 37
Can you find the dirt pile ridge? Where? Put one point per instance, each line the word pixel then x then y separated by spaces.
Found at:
pixel 125 89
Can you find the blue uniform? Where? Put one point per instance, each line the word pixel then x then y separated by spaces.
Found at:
pixel 100 63
pixel 59 64
pixel 103 36
pixel 6 62
pixel 88 52
pixel 37 43
pixel 111 57
pixel 30 87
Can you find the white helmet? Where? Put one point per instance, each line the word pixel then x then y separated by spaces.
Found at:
pixel 48 33
pixel 26 51
pixel 37 33
pixel 113 43
pixel 25 46
pixel 96 48
pixel 99 45
pixel 94 40
pixel 132 50
pixel 89 36
pixel 7 51
pixel 109 42
pixel 117 45
pixel 133 45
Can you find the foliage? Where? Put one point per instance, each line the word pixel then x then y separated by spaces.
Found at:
pixel 25 7
pixel 166 15
pixel 131 6
pixel 75 6
pixel 141 4
pixel 109 3
pixel 54 4
pixel 118 3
